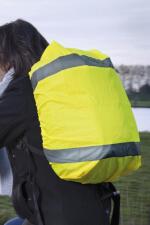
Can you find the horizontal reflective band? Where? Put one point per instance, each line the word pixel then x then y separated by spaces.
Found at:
pixel 92 153
pixel 66 62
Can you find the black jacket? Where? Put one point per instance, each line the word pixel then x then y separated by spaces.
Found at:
pixel 38 193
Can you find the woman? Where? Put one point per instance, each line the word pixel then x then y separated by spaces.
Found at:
pixel 39 195
pixel 6 178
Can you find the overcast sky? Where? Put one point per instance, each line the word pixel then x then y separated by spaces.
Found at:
pixel 119 28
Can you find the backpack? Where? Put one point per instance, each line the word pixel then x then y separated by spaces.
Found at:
pixel 88 129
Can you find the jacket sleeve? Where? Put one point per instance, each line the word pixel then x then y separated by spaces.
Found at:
pixel 13 112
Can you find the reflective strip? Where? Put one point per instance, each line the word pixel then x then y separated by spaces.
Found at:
pixel 92 153
pixel 66 62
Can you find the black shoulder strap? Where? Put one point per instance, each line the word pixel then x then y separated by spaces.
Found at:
pixel 32 182
pixel 108 191
pixel 116 210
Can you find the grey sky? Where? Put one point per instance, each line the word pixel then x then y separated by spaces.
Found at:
pixel 119 28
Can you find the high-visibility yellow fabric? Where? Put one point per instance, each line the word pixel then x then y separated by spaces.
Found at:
pixel 98 171
pixel 84 106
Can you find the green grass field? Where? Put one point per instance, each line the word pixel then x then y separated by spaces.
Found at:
pixel 140 104
pixel 135 193
pixel 6 210
pixel 135 190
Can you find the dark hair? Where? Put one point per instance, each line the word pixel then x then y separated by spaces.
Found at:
pixel 21 45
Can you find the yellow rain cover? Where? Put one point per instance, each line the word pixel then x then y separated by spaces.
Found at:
pixel 88 128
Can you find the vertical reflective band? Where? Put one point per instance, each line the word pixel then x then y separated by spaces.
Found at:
pixel 66 62
pixel 92 153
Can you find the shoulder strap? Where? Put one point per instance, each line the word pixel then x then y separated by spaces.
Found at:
pixel 30 179
pixel 108 191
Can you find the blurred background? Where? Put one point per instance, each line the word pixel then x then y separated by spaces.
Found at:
pixel 120 29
